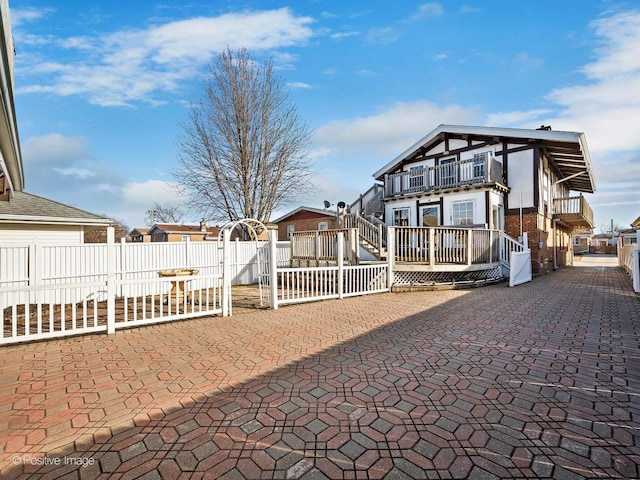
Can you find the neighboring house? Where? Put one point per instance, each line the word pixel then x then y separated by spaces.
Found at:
pixel 305 219
pixel 628 236
pixel 170 232
pixel 513 180
pixel 604 239
pixel 582 242
pixel 139 235
pixel 25 217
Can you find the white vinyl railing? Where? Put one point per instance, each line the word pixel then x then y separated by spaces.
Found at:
pixel 508 245
pixel 629 260
pixel 50 291
pixel 156 300
pixel 296 285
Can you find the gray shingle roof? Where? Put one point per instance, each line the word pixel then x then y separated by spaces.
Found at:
pixel 24 204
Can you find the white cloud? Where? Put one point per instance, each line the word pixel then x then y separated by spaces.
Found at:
pixel 519 119
pixel 341 35
pixel 128 66
pixel 382 36
pixel 301 85
pixel 388 132
pixel 78 173
pixel 19 16
pixel 608 105
pixel 430 9
pixel 53 148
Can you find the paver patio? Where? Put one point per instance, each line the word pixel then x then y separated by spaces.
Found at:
pixel 537 381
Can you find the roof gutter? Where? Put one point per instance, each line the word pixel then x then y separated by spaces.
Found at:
pixel 98 222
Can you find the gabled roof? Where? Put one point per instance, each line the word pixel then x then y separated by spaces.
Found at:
pixel 24 207
pixel 319 211
pixel 568 150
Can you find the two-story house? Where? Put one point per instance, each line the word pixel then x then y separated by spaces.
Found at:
pixel 513 180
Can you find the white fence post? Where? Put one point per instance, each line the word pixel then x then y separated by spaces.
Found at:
pixel 340 256
pixel 111 281
pixel 391 254
pixel 273 268
pixel 226 273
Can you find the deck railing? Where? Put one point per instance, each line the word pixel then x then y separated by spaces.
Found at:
pixel 444 176
pixel 322 245
pixel 370 229
pixel 445 245
pixel 508 245
pixel 573 207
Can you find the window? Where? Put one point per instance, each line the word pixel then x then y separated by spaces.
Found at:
pixel 430 216
pixel 497 217
pixel 323 225
pixel 401 217
pixel 462 213
pixel 290 230
pixel 576 241
pixel 186 238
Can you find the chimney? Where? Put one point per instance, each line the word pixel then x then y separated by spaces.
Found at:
pixel 203 226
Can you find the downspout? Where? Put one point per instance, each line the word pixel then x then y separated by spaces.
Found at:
pixel 555 243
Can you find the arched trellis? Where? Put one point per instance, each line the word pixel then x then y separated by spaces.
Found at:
pixel 255 227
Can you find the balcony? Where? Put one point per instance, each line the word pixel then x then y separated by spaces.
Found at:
pixel 573 211
pixel 446 176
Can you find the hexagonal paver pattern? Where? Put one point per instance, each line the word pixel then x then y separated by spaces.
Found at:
pixel 537 381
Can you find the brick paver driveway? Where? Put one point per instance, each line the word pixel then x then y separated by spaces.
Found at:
pixel 537 381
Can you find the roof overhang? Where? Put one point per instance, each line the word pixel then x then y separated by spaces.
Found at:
pixel 36 220
pixel 567 150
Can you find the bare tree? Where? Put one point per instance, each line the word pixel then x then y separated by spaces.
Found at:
pixel 164 214
pixel 244 151
pixel 99 234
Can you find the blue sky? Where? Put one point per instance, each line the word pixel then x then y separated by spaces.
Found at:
pixel 103 88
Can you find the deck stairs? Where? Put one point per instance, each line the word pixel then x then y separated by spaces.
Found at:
pixel 372 233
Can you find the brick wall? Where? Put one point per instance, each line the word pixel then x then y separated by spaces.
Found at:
pixel 541 241
pixel 304 221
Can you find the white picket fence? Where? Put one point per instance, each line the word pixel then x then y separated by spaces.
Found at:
pixel 297 285
pixel 629 260
pixel 50 291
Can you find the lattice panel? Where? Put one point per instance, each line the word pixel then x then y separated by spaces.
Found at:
pixel 416 278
